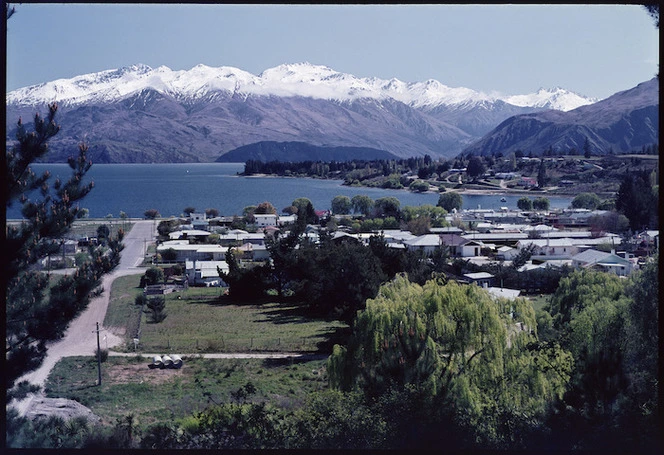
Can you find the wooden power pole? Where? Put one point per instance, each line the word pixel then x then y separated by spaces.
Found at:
pixel 98 355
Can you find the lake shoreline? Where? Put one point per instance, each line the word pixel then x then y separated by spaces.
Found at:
pixel 170 188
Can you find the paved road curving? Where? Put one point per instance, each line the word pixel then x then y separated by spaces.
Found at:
pixel 80 338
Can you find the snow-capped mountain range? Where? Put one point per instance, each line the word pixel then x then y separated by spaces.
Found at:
pixel 138 114
pixel 301 79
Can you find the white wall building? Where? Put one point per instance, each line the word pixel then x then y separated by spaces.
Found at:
pixel 265 219
pixel 205 272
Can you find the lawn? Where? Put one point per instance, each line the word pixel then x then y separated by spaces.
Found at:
pixel 540 300
pixel 122 313
pixel 199 320
pixel 154 395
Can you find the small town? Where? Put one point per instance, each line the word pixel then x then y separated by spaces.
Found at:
pixel 423 228
pixel 200 244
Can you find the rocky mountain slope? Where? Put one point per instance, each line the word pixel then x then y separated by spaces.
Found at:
pixel 140 114
pixel 624 122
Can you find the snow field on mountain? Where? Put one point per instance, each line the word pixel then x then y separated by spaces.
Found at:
pixel 300 79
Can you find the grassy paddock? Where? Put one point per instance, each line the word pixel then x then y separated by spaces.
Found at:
pixel 200 321
pixel 122 313
pixel 88 227
pixel 130 387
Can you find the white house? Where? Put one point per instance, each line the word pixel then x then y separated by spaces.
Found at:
pixel 286 219
pixel 471 248
pixel 265 219
pixel 205 272
pixel 189 252
pixel 506 253
pixel 461 246
pixel 199 220
pixel 606 262
pixel 426 243
pixel 551 248
pixel 195 216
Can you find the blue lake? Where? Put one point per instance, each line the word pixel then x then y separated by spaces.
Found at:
pixel 169 188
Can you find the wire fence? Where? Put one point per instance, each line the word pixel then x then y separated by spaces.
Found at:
pixel 223 345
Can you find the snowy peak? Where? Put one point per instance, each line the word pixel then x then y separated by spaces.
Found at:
pixel 287 80
pixel 556 98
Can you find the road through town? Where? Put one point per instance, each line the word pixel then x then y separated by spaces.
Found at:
pixel 80 338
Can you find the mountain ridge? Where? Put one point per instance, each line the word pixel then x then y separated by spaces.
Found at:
pixel 300 79
pixel 623 122
pixel 140 114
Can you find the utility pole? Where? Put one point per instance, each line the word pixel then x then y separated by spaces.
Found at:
pixel 98 355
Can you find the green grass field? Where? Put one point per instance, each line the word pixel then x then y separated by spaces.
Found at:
pixel 129 386
pixel 539 301
pixel 199 320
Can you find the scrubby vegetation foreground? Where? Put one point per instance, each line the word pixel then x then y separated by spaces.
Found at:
pixel 444 365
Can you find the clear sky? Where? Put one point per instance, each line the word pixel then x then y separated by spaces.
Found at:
pixel 594 50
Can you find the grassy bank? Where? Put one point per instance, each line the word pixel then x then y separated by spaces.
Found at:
pixel 153 395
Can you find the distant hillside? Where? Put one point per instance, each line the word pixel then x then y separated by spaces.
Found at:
pixel 301 151
pixel 622 123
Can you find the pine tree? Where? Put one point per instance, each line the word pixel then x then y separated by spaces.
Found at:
pixel 35 313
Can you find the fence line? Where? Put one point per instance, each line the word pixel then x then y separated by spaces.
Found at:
pixel 221 345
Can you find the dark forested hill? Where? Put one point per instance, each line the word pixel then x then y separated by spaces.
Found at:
pixel 300 151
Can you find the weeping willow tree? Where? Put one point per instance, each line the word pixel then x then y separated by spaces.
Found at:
pixel 477 360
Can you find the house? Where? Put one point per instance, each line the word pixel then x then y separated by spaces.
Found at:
pixel 551 248
pixel 397 235
pixel 240 237
pixel 196 234
pixel 199 221
pixel 265 219
pixel 577 217
pixel 195 216
pixel 460 246
pixel 446 230
pixel 426 243
pixel 502 238
pixel 205 273
pixel 252 252
pixel 538 229
pixel 453 242
pixel 482 279
pixel 471 248
pixel 506 253
pixel 286 219
pixel 600 260
pixel 189 252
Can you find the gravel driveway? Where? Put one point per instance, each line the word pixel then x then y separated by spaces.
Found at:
pixel 80 338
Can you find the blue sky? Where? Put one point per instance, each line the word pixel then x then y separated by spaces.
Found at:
pixel 594 50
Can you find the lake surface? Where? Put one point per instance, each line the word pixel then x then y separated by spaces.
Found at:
pixel 169 188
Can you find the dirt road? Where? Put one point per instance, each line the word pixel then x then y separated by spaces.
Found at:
pixel 80 338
